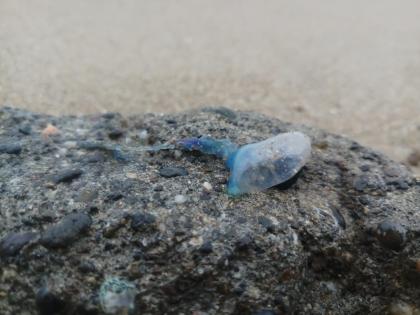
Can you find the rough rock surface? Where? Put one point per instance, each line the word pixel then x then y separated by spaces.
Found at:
pixel 344 238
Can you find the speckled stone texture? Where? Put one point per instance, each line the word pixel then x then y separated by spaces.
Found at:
pixel 344 238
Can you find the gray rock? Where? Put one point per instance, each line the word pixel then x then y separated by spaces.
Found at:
pixel 169 172
pixel 271 251
pixel 10 148
pixel 391 235
pixel 12 243
pixel 67 175
pixel 66 231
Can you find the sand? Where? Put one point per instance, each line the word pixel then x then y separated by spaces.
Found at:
pixel 352 68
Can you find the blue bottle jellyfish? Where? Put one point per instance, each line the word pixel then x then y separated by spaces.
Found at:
pixel 257 166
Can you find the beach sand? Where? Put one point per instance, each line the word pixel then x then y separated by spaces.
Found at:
pixel 352 68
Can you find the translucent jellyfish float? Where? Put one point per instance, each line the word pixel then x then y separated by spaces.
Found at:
pixel 257 166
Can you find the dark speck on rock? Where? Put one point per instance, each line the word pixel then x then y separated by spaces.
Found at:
pixel 170 171
pixel 12 243
pixel 10 148
pixel 67 175
pixel 48 303
pixel 364 168
pixel 206 248
pixel 244 242
pixel 391 235
pixel 66 231
pixel 87 266
pixel 115 134
pixel 141 220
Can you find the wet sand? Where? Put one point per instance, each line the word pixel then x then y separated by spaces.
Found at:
pixel 349 67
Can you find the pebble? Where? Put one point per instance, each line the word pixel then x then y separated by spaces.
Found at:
pixel 67 175
pixel 267 223
pixel 115 134
pixel 400 308
pixel 207 186
pixel 142 220
pixel 117 296
pixel 169 172
pixel 244 242
pixel 50 130
pixel 414 158
pixel 48 303
pixel 87 266
pixel 12 243
pixel 180 199
pixel 391 235
pixel 206 248
pixel 66 231
pixel 367 181
pixel 10 148
pixel 25 130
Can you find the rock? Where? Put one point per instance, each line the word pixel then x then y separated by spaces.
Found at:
pixel 25 130
pixel 115 134
pixel 170 172
pixel 87 266
pixel 267 223
pixel 318 246
pixel 400 308
pixel 206 248
pixel 66 231
pixel 369 182
pixel 414 158
pixel 49 303
pixel 66 176
pixel 12 243
pixel 141 221
pixel 391 234
pixel 180 199
pixel 10 148
pixel 117 296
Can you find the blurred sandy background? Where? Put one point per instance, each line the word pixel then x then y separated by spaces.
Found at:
pixel 351 67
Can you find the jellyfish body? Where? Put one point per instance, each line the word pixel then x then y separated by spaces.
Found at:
pixel 257 166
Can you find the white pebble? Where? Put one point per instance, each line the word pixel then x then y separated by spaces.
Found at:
pixel 180 199
pixel 207 186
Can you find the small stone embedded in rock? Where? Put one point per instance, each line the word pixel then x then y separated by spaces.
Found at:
pixel 391 235
pixel 12 243
pixel 67 175
pixel 206 248
pixel 400 308
pixel 267 223
pixel 141 220
pixel 25 130
pixel 10 148
pixel 48 303
pixel 180 199
pixel 117 296
pixel 207 186
pixel 115 134
pixel 66 231
pixel 170 172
